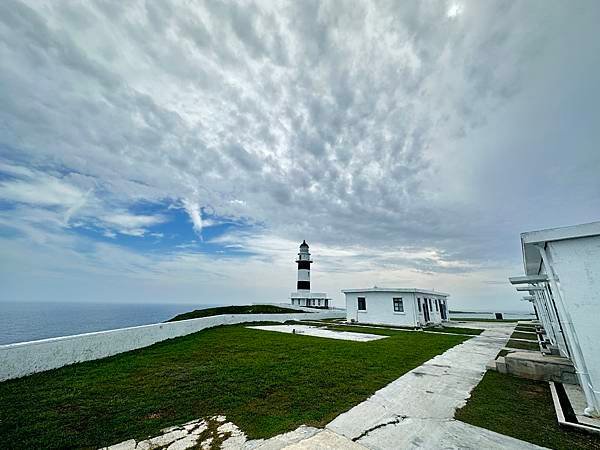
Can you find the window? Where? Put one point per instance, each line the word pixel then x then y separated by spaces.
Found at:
pixel 419 303
pixel 430 306
pixel 398 305
pixel 362 304
pixel 437 307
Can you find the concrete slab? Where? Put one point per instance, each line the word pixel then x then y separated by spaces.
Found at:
pixel 326 440
pixel 414 433
pixel 417 409
pixel 283 440
pixel 578 403
pixel 309 330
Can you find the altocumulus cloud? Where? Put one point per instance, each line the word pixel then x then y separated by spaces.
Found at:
pixel 410 141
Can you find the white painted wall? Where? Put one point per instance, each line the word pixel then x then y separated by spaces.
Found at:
pixel 576 262
pixel 24 358
pixel 380 308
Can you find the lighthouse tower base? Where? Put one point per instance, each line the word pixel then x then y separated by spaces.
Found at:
pixel 310 299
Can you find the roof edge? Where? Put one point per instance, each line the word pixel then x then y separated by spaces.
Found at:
pixel 408 290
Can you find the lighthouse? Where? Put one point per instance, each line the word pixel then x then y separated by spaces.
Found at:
pixel 303 296
pixel 304 263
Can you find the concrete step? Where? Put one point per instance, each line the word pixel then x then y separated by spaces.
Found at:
pixel 537 366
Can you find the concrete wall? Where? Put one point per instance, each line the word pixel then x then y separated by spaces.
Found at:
pixel 24 358
pixel 576 262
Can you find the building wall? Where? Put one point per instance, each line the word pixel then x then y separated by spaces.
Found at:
pixel 576 262
pixel 435 314
pixel 24 358
pixel 380 309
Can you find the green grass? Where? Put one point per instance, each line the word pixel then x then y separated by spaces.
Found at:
pixel 522 345
pixel 522 409
pixel 236 309
pixel 471 319
pixel 330 320
pixel 265 382
pixel 524 335
pixel 458 330
pixel 361 328
pixel 530 328
pixel 395 330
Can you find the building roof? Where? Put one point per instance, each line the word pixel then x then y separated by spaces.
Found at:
pixel 304 244
pixel 401 290
pixel 531 239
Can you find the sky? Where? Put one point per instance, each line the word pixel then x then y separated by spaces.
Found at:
pixel 180 151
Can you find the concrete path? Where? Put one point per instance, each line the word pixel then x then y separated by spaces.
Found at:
pixel 414 412
pixel 320 332
pixel 417 410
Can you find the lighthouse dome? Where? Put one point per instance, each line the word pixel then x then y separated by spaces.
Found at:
pixel 304 244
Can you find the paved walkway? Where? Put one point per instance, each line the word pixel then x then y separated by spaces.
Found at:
pixel 417 410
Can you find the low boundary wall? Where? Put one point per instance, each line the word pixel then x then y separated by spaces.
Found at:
pixel 25 358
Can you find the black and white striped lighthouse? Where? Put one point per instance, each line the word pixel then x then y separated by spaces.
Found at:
pixel 304 263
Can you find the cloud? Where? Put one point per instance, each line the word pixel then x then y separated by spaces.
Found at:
pixel 421 138
pixel 193 209
pixel 130 224
pixel 44 191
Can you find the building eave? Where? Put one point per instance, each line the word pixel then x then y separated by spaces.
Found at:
pixel 398 290
pixel 531 240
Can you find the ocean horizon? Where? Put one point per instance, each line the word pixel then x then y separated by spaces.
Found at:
pixel 30 321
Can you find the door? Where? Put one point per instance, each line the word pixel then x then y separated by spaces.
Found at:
pixel 443 310
pixel 426 311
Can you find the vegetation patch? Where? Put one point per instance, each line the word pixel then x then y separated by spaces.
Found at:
pixel 458 330
pixel 530 328
pixel 471 319
pixel 523 345
pixel 359 329
pixel 522 409
pixel 524 335
pixel 236 309
pixel 265 382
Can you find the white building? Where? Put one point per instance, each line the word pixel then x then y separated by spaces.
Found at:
pixel 303 296
pixel 396 306
pixel 562 276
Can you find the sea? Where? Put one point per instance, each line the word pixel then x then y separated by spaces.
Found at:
pixel 29 321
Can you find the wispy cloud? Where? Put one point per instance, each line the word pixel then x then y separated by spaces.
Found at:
pixel 397 136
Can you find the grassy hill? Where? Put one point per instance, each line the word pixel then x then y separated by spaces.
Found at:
pixel 236 309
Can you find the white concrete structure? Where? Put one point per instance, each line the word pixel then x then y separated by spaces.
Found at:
pixel 309 330
pixel 396 306
pixel 303 296
pixel 562 276
pixel 24 358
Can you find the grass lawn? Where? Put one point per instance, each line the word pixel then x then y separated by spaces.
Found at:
pixel 530 328
pixel 522 409
pixel 524 335
pixel 522 345
pixel 458 330
pixel 265 382
pixel 471 319
pixel 236 309
pixel 359 329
